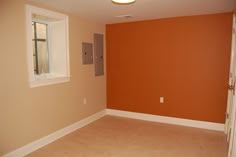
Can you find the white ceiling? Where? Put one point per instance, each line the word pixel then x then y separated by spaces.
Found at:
pixel 104 11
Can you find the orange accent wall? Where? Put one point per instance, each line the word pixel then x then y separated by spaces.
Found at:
pixel 184 59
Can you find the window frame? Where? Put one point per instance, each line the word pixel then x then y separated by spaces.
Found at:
pixel 51 77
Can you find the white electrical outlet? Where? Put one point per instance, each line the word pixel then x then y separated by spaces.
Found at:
pixel 161 99
pixel 85 101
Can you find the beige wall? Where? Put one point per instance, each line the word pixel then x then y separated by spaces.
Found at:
pixel 27 114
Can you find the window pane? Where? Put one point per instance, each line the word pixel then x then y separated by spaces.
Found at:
pixel 41 31
pixel 35 68
pixel 34 58
pixel 33 48
pixel 43 61
pixel 40 48
pixel 32 30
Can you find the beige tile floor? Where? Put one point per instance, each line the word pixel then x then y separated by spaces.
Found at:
pixel 122 137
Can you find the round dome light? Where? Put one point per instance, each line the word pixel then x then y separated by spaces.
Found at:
pixel 123 1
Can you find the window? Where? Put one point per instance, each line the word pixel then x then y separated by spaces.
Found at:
pixel 47 46
pixel 40 48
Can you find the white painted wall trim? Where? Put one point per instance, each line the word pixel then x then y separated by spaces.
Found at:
pixel 20 152
pixel 168 120
pixel 29 148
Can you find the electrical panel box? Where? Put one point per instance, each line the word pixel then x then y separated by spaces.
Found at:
pixel 87 53
pixel 98 54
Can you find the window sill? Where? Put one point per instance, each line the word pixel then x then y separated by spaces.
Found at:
pixel 48 79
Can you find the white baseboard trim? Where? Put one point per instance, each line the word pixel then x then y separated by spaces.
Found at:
pixel 29 148
pixel 168 120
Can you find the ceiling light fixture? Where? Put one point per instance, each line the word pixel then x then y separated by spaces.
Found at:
pixel 125 16
pixel 123 1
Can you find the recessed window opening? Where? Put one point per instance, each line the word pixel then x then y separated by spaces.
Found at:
pixel 47 46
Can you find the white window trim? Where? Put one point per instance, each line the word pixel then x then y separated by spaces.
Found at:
pixel 50 78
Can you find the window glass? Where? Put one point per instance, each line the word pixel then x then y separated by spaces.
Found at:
pixel 40 48
pixel 41 30
pixel 43 65
pixel 32 30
